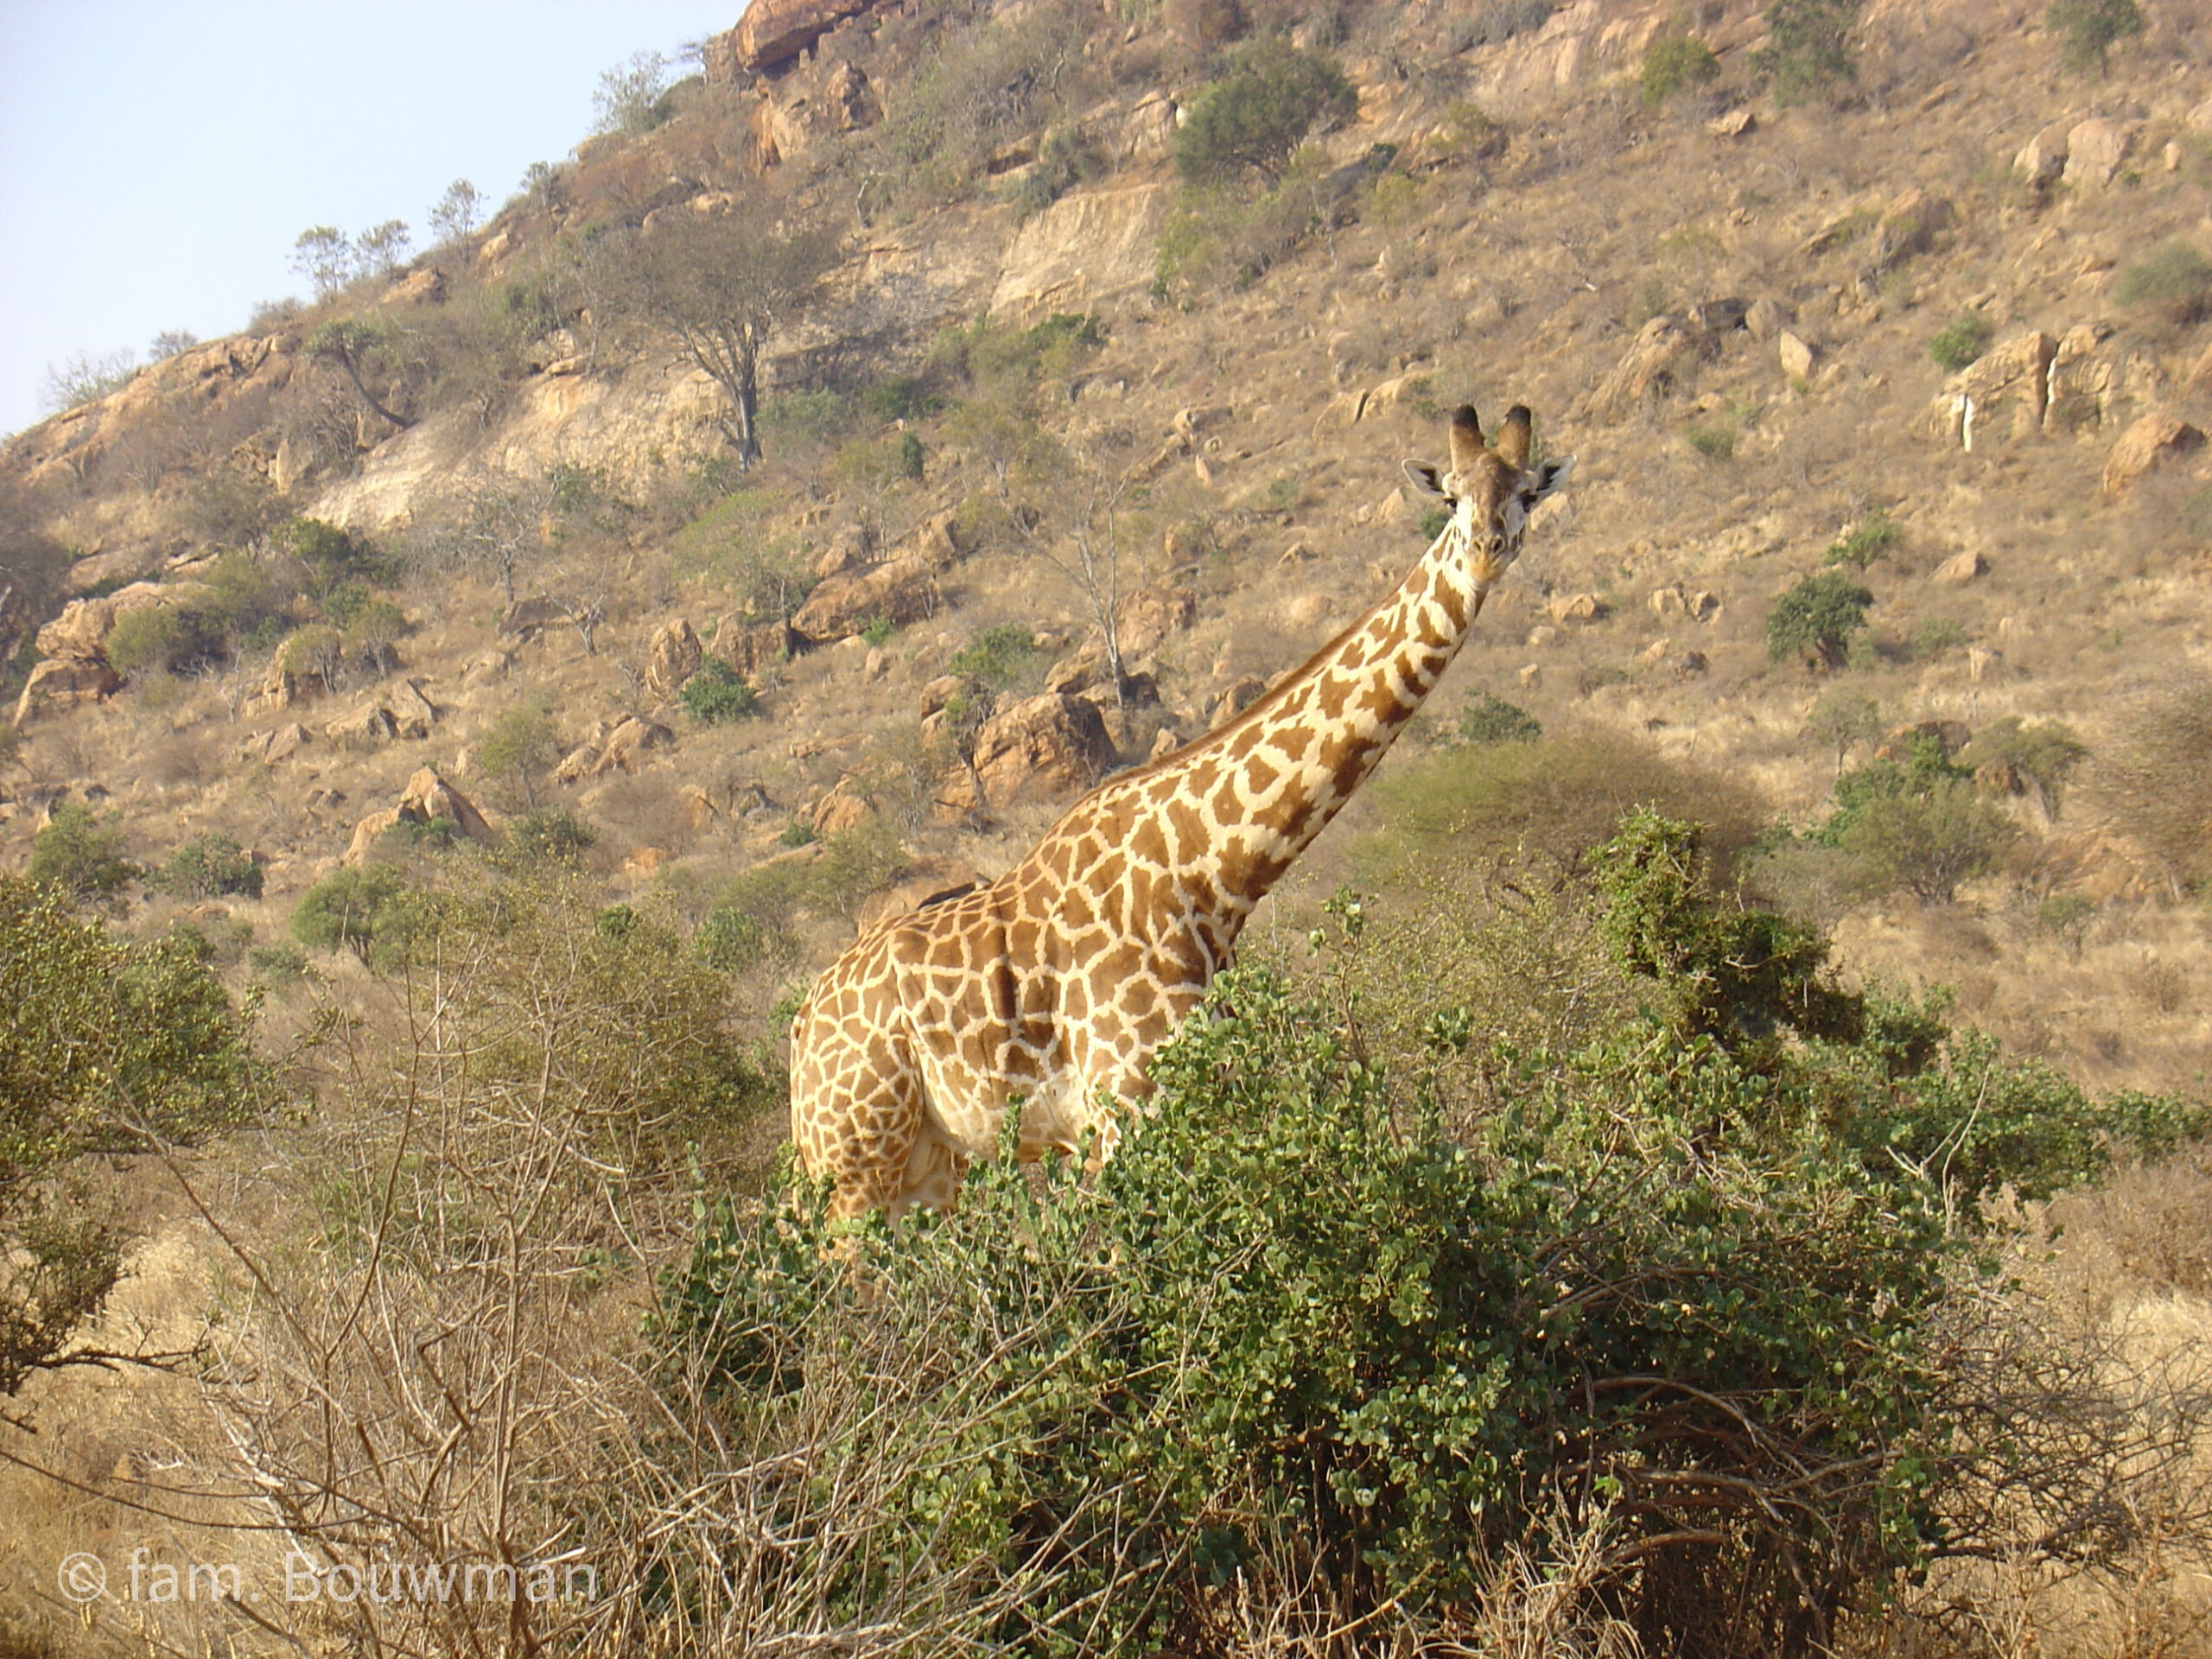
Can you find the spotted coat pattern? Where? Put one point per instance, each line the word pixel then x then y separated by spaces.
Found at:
pixel 1054 984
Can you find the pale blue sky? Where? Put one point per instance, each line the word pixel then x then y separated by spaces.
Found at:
pixel 159 157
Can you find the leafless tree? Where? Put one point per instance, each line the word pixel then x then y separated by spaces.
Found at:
pixel 719 285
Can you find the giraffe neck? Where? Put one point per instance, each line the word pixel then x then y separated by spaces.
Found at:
pixel 1268 784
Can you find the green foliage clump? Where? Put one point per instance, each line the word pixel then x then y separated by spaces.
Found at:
pixel 1807 52
pixel 2042 755
pixel 329 554
pixel 106 1046
pixel 1714 439
pixel 1673 64
pixel 1488 718
pixel 997 655
pixel 878 631
pixel 155 640
pixel 1865 542
pixel 1961 341
pixel 1257 114
pixel 2173 282
pixel 78 855
pixel 366 911
pixel 545 837
pixel 716 693
pixel 1817 618
pixel 2088 29
pixel 212 866
pixel 730 940
pixel 518 746
pixel 1918 825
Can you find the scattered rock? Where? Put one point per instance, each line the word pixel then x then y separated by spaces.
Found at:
pixel 942 689
pixel 1150 614
pixel 1734 124
pixel 749 649
pixel 631 738
pixel 1909 226
pixel 1703 606
pixel 492 666
pixel 1689 663
pixel 1199 417
pixel 1765 319
pixel 1578 607
pixel 1960 569
pixel 842 810
pixel 1981 662
pixel 282 744
pixel 1797 355
pixel 673 657
pixel 1165 742
pixel 411 708
pixel 424 287
pixel 2153 440
pixel 1531 674
pixel 1666 601
pixel 526 619
pixel 1655 653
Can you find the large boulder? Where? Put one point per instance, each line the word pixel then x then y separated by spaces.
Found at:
pixel 2001 396
pixel 64 681
pixel 1045 746
pixel 773 32
pixel 426 799
pixel 2094 150
pixel 2152 442
pixel 751 648
pixel 1648 368
pixel 1908 227
pixel 673 657
pixel 900 591
pixel 82 628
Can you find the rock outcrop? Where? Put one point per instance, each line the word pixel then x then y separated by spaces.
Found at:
pixel 427 798
pixel 773 32
pixel 1044 746
pixel 2150 442
pixel 673 657
pixel 1648 368
pixel 1999 398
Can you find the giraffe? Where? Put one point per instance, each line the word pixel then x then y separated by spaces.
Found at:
pixel 1054 984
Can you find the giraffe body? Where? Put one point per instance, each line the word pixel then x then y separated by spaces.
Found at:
pixel 1055 984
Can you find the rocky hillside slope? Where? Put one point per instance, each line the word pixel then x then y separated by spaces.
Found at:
pixel 1723 301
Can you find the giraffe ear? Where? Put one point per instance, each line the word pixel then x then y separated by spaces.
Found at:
pixel 1548 476
pixel 1424 478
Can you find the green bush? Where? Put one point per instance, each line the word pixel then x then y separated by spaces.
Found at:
pixel 212 866
pixel 1865 542
pixel 365 911
pixel 1251 118
pixel 997 655
pixel 1917 826
pixel 1817 618
pixel 107 1046
pixel 1715 440
pixel 1807 52
pixel 878 631
pixel 1491 719
pixel 730 940
pixel 716 693
pixel 545 836
pixel 1673 64
pixel 2088 29
pixel 2173 282
pixel 78 855
pixel 517 747
pixel 1961 341
pixel 329 554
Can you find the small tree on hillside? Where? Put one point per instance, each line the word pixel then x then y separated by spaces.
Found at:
pixel 76 855
pixel 629 97
pixel 381 249
pixel 1816 619
pixel 457 212
pixel 2088 29
pixel 325 257
pixel 1807 52
pixel 1255 116
pixel 721 286
pixel 1842 718
pixel 353 344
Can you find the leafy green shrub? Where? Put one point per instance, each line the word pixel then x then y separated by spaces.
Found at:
pixel 155 640
pixel 76 855
pixel 878 631
pixel 1251 118
pixel 106 1046
pixel 211 866
pixel 1865 542
pixel 1961 341
pixel 1715 440
pixel 716 693
pixel 316 651
pixel 1917 826
pixel 1489 719
pixel 1673 64
pixel 2088 29
pixel 1432 522
pixel 278 966
pixel 2043 755
pixel 730 940
pixel 1817 618
pixel 2173 282
pixel 365 911
pixel 1807 52
pixel 329 554
pixel 518 746
pixel 545 836
pixel 797 833
pixel 997 655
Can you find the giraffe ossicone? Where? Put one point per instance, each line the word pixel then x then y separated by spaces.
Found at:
pixel 1055 984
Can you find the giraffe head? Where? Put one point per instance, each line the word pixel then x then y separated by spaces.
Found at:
pixel 1490 488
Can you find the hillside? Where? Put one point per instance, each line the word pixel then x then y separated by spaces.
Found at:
pixel 1073 433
